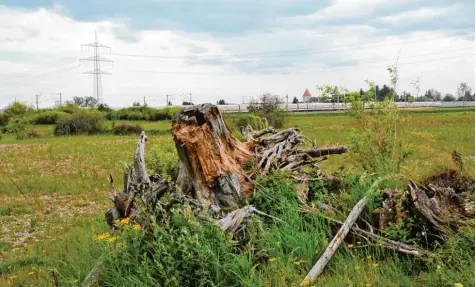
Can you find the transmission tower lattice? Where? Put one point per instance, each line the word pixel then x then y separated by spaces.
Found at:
pixel 96 72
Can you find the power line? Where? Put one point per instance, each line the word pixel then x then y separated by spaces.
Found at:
pixel 96 59
pixel 306 71
pixel 285 52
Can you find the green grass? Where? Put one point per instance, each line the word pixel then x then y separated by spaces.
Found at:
pixel 56 189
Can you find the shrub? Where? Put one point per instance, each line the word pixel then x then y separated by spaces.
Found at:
pixel 69 108
pixel 268 108
pixel 81 122
pixel 235 121
pixel 48 117
pixel 126 129
pixel 19 126
pixel 14 110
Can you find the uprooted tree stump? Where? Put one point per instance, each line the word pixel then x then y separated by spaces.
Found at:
pixel 211 173
pixel 439 205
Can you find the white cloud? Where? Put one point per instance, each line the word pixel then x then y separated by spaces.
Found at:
pixel 416 16
pixel 343 9
pixel 39 53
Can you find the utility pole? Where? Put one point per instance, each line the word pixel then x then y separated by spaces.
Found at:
pixel 96 72
pixel 144 101
pixel 60 98
pixel 287 102
pixel 37 96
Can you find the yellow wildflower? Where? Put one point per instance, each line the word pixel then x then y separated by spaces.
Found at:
pixel 12 277
pixel 374 264
pixel 33 267
pixel 368 285
pixel 125 221
pixel 43 251
pixel 458 285
pixel 31 273
pixel 76 281
pixel 350 245
pixel 306 282
pixel 272 259
pixel 136 227
pixel 369 257
pixel 103 236
pixel 112 239
pixel 299 262
pixel 16 244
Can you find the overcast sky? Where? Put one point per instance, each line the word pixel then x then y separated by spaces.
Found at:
pixel 230 49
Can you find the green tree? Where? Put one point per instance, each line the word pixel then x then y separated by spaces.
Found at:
pixel 464 91
pixel 295 100
pixel 85 101
pixel 449 98
pixel 221 102
pixel 334 94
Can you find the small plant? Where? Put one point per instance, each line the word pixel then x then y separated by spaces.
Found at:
pixel 268 107
pixel 377 144
pixel 34 133
pixel 126 129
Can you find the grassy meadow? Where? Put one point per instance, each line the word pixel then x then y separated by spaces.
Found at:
pixel 53 195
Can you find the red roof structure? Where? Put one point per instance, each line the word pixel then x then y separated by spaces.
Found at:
pixel 307 94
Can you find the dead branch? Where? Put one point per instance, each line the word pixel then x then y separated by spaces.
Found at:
pixel 385 242
pixel 268 130
pixel 336 241
pixel 317 152
pixel 92 278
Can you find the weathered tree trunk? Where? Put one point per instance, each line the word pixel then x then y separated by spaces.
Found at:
pixel 211 159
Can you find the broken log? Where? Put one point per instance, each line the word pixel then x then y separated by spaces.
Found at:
pixel 336 241
pixel 323 151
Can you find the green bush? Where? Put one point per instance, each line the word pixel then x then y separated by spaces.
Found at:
pixel 236 121
pixel 81 122
pixel 143 114
pixel 69 108
pixel 126 129
pixel 19 126
pixel 48 117
pixel 14 110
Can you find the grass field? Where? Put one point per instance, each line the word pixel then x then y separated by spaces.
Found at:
pixel 53 190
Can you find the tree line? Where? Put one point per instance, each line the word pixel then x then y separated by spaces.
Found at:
pixel 337 94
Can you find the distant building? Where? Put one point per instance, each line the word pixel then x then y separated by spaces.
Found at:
pixel 308 98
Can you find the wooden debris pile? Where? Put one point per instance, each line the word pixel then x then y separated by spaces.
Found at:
pixel 212 173
pixel 216 171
